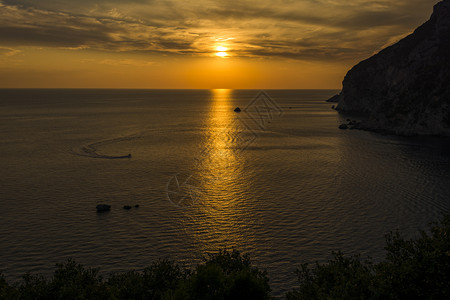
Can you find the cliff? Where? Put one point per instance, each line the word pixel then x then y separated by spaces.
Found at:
pixel 405 88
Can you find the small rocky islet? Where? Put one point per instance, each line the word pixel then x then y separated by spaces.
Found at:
pixel 106 207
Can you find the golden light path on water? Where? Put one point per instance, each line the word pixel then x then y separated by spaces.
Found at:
pixel 223 221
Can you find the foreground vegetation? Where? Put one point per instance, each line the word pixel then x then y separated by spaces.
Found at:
pixel 413 269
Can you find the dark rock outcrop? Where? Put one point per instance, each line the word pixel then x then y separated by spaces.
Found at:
pixel 103 208
pixel 335 98
pixel 405 88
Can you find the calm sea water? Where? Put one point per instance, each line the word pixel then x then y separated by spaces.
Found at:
pixel 278 180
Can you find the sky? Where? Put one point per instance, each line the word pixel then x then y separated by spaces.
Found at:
pixel 245 44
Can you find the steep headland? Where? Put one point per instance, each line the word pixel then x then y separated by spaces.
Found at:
pixel 405 88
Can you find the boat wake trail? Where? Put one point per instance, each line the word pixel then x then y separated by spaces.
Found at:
pixel 91 150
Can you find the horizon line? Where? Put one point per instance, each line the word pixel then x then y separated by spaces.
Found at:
pixel 82 88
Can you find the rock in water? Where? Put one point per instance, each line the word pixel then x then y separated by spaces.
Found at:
pixel 405 88
pixel 335 98
pixel 103 207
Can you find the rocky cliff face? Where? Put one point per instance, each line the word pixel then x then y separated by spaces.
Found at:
pixel 405 88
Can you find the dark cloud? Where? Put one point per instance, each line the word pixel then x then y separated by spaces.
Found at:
pixel 312 30
pixel 51 36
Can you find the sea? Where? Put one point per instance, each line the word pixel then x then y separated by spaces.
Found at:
pixel 277 180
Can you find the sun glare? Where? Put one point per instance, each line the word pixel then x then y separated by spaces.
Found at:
pixel 221 51
pixel 221 48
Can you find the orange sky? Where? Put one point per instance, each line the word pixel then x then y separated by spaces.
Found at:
pixel 174 44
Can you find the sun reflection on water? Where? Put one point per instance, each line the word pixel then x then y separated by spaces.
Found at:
pixel 221 133
pixel 222 217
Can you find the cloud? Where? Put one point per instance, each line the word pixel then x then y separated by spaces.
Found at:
pixel 36 27
pixel 120 62
pixel 307 30
pixel 8 51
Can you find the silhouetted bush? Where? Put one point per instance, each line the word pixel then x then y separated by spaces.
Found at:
pixel 158 281
pixel 6 291
pixel 70 281
pixel 340 278
pixel 416 268
pixel 226 275
pixel 413 269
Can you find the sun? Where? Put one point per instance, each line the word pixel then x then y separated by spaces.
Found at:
pixel 221 51
pixel 221 48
